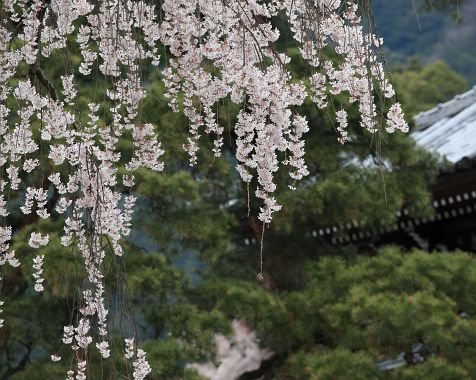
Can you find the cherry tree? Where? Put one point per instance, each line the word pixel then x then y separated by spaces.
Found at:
pixel 216 50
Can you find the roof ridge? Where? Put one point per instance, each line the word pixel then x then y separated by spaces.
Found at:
pixel 449 108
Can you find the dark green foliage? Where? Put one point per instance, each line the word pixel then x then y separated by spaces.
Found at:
pixel 429 30
pixel 423 87
pixel 353 312
pixel 407 33
pixel 327 312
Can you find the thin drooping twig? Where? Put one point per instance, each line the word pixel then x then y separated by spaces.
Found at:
pixel 34 71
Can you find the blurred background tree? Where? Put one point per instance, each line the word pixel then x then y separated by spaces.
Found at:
pixel 429 30
pixel 421 87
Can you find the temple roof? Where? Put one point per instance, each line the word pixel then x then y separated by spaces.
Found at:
pixel 449 128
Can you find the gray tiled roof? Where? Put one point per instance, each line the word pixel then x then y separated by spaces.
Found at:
pixel 450 128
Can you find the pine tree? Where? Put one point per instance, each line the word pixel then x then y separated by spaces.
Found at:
pixel 315 300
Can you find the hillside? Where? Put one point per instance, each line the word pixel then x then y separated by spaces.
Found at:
pixel 449 35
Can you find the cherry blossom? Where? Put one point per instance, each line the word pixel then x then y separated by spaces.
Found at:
pixel 38 267
pixel 216 51
pixel 129 348
pixel 341 117
pixel 103 348
pixel 141 366
pixel 236 355
pixel 38 240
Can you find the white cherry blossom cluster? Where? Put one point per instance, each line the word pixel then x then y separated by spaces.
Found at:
pixel 236 355
pixel 140 365
pixel 1 311
pixel 38 267
pixel 7 255
pixel 81 371
pixel 226 49
pixel 117 37
pixel 219 50
pixel 103 348
pixel 38 240
pixel 129 342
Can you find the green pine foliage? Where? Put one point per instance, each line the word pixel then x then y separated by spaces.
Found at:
pixel 422 87
pixel 189 269
pixel 353 311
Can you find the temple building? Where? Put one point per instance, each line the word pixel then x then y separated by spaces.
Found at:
pixel 449 130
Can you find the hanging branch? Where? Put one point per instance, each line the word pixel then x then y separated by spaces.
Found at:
pixel 219 50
